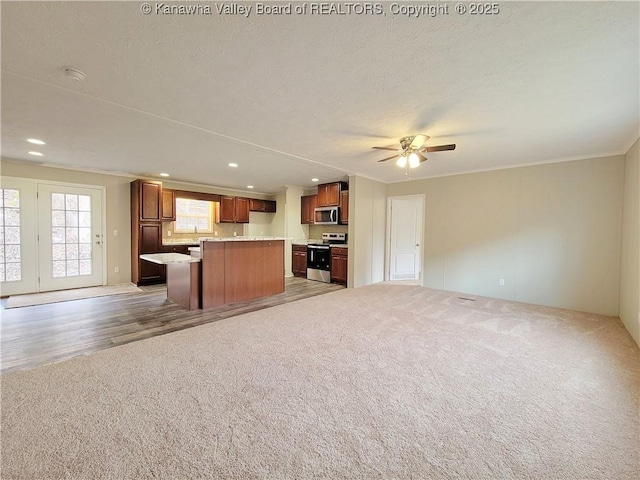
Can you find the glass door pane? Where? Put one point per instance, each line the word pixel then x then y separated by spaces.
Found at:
pixel 18 248
pixel 10 265
pixel 71 241
pixel 71 252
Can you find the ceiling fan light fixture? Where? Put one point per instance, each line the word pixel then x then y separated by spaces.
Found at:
pixel 402 161
pixel 414 160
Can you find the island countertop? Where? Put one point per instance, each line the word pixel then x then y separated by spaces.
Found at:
pixel 241 239
pixel 167 258
pixel 194 242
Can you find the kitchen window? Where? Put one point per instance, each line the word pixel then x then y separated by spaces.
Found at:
pixel 194 216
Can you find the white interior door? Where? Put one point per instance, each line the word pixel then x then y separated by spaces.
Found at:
pixel 18 245
pixel 405 238
pixel 70 246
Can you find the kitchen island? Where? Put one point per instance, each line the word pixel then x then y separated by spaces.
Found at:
pixel 228 270
pixel 238 269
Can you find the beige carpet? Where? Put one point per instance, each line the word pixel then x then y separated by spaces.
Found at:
pixel 31 299
pixel 385 381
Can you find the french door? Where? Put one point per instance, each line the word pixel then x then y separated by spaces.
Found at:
pixel 51 237
pixel 70 237
pixel 18 237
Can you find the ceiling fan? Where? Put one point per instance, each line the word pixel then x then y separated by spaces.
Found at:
pixel 412 149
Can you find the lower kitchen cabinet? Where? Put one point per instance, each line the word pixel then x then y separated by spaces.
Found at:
pixel 148 240
pixel 299 260
pixel 183 249
pixel 339 265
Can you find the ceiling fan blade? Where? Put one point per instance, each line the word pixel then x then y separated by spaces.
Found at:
pixel 421 157
pixel 388 158
pixel 386 148
pixel 418 141
pixel 440 148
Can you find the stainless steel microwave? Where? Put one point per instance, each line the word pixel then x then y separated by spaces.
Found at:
pixel 326 216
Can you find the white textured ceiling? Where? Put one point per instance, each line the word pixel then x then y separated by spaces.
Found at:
pixel 299 96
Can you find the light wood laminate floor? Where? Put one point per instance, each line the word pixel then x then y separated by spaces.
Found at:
pixel 42 334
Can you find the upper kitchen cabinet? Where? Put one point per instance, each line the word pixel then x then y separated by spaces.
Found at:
pixel 257 205
pixel 168 204
pixel 147 196
pixel 329 194
pixel 234 209
pixel 344 207
pixel 307 206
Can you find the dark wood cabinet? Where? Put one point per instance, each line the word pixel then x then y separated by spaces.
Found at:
pixel 257 205
pixel 339 265
pixel 184 249
pixel 299 260
pixel 307 207
pixel 329 194
pixel 168 204
pixel 227 209
pixel 344 207
pixel 146 231
pixel 150 241
pixel 270 206
pixel 234 209
pixel 148 199
pixel 242 210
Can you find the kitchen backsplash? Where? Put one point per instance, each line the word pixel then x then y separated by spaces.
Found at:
pixel 227 230
pixel 316 231
pixel 223 230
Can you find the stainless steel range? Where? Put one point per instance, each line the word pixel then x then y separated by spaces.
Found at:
pixel 319 256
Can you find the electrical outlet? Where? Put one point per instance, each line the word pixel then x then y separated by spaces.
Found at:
pixel 168 233
pixel 116 269
pixel 115 233
pixel 215 233
pixel 235 234
pixel 502 282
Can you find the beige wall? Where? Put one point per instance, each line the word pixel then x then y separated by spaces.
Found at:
pixel 552 232
pixel 366 231
pixel 294 230
pixel 278 222
pixel 630 263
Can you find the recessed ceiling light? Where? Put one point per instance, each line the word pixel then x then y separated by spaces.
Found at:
pixel 315 180
pixel 35 141
pixel 233 165
pixel 164 174
pixel 249 186
pixel 37 154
